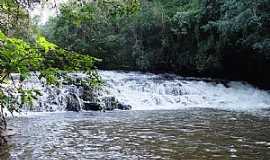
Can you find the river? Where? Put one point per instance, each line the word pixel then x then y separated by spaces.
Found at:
pixel 172 118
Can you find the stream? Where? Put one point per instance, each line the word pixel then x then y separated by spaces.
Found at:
pixel 172 118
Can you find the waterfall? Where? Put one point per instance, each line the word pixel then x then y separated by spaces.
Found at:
pixel 145 91
pixel 154 92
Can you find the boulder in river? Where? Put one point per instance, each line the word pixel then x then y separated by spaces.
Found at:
pixel 73 103
pixel 92 106
pixel 123 106
pixel 110 103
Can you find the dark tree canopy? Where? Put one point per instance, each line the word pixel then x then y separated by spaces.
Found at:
pixel 220 38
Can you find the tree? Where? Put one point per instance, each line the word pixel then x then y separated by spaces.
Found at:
pixel 214 38
pixel 24 53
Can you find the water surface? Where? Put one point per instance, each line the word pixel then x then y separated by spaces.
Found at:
pixel 182 134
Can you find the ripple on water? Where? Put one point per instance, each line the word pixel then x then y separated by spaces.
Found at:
pixel 146 135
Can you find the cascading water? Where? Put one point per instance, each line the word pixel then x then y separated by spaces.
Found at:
pixel 154 92
pixel 150 92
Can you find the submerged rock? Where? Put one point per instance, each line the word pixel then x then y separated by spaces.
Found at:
pixel 110 103
pixel 92 106
pixel 124 106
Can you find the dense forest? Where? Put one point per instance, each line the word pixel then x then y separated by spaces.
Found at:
pixel 211 38
pixel 74 62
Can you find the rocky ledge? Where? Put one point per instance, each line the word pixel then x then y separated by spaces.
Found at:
pixel 74 93
pixel 93 100
pixel 77 95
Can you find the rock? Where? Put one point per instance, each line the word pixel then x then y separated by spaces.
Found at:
pixel 110 103
pixel 73 103
pixel 92 106
pixel 124 106
pixel 88 95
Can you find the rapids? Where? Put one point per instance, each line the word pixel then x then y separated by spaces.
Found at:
pixel 172 118
pixel 145 91
pixel 166 92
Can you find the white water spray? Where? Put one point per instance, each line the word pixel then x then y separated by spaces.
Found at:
pixel 155 92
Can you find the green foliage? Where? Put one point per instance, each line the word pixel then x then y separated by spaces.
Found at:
pixel 221 38
pixel 13 18
pixel 18 56
pixel 27 96
pixel 42 42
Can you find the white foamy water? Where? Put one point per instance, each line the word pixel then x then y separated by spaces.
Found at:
pixel 158 92
pixel 153 92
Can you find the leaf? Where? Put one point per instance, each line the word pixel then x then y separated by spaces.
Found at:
pixel 43 43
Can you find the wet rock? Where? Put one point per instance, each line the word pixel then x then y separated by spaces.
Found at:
pixel 88 95
pixel 110 103
pixel 124 106
pixel 73 103
pixel 92 106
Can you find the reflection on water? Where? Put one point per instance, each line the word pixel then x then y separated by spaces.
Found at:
pixel 183 134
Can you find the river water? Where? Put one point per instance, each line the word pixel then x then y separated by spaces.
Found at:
pixel 172 118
